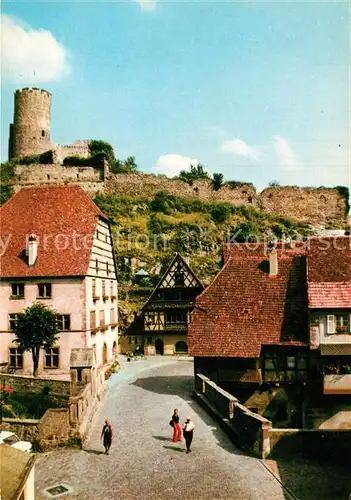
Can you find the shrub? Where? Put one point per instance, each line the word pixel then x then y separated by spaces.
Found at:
pixel 44 158
pixel 6 191
pixel 195 172
pixel 7 171
pixel 217 181
pixel 220 213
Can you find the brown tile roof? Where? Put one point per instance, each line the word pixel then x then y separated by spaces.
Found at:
pixel 245 307
pixel 329 259
pixel 329 295
pixel 63 218
pixel 329 272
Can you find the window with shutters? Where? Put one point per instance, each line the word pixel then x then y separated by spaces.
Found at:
pixel 338 323
pixel 102 318
pixel 92 320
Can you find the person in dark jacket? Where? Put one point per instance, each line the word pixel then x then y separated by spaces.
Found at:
pixel 106 435
pixel 177 431
pixel 188 431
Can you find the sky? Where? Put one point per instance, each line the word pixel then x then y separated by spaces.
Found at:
pixel 259 91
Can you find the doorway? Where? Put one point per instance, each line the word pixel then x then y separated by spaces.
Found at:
pixel 104 354
pixel 159 347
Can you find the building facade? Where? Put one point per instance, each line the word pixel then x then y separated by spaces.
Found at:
pixel 58 251
pixel 162 326
pixel 278 318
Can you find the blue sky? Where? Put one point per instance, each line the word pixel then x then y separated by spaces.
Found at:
pixel 255 90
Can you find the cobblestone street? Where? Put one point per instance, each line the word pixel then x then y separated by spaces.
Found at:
pixel 143 463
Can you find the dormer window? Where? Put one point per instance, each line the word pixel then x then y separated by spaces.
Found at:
pixel 17 290
pixel 44 291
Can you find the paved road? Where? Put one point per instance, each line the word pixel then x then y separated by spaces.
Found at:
pixel 143 463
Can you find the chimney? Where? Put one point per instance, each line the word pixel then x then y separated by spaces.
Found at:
pixel 273 263
pixel 32 249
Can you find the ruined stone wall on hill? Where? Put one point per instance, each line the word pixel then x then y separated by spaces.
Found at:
pixel 319 206
pixel 147 185
pixel 89 178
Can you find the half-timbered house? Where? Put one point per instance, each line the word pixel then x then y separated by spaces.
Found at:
pixel 162 326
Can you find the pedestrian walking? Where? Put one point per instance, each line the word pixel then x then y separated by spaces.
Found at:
pixel 188 431
pixel 106 435
pixel 177 431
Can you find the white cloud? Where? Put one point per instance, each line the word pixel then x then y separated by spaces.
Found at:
pixel 238 147
pixel 30 55
pixel 147 5
pixel 287 158
pixel 172 164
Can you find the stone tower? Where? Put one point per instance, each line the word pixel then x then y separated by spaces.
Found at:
pixel 30 130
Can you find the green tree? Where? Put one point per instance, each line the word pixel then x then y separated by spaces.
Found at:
pixel 220 213
pixel 217 181
pixel 194 172
pixel 36 329
pixel 96 147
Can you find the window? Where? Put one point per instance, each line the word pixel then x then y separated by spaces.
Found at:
pixel 96 264
pixel 52 357
pixel 177 317
pixel 179 278
pixel 103 288
pixel 43 133
pixel 92 320
pixel 97 234
pixel 102 318
pixel 149 340
pixel 16 357
pixel 150 318
pixel 93 289
pixel 338 323
pixel 291 362
pixel 17 290
pixel 337 365
pixel 111 289
pixel 113 316
pixel 63 322
pixel 12 320
pixel 44 290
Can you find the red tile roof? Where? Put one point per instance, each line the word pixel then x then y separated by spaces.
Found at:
pixel 329 272
pixel 245 307
pixel 63 218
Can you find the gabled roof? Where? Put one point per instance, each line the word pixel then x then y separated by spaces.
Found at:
pixel 329 272
pixel 167 280
pixel 63 218
pixel 245 308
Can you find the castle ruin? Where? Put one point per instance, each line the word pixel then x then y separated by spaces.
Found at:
pixel 30 135
pixel 31 127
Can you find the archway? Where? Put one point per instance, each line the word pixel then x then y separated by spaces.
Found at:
pixel 104 354
pixel 114 349
pixel 159 348
pixel 181 347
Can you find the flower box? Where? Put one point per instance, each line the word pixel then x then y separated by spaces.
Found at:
pixel 342 329
pixel 95 298
pixel 103 328
pixel 95 330
pixel 113 325
pixel 105 297
pixel 113 297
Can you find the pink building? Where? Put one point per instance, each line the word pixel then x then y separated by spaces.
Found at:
pixel 56 248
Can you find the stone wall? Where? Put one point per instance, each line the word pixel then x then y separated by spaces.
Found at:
pixel 91 179
pixel 25 383
pixel 248 429
pixel 147 185
pixel 334 445
pixel 324 207
pixel 54 429
pixel 321 207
